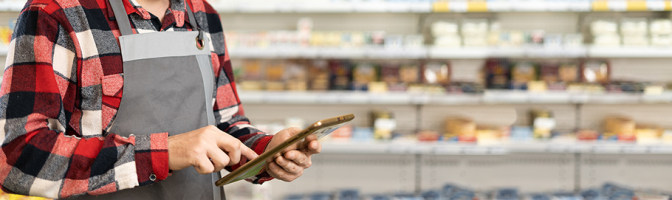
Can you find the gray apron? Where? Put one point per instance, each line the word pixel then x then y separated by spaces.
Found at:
pixel 168 87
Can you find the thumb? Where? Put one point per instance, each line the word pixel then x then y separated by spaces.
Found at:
pixel 286 134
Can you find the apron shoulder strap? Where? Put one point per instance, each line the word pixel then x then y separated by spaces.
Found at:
pixel 192 21
pixel 121 17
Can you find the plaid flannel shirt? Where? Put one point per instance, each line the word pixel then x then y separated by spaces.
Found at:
pixel 61 90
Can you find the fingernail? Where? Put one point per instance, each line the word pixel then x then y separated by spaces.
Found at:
pixel 290 156
pixel 313 145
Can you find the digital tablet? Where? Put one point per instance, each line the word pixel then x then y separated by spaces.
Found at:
pixel 253 167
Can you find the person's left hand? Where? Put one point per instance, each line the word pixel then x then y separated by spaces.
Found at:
pixel 289 164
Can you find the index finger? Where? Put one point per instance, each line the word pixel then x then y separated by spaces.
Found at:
pixel 248 153
pixel 231 145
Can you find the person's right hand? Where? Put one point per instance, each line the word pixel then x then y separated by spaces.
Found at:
pixel 206 149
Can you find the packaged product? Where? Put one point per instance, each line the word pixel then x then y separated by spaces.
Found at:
pixel 543 123
pixel 460 129
pixel 497 74
pixel 569 73
pixel 383 124
pixel 409 74
pixel 428 136
pixel 252 75
pixel 362 75
pixel 619 128
pixel 275 75
pixel 296 75
pixel 340 73
pixel 522 73
pixel 596 71
pixel 319 75
pixel 437 73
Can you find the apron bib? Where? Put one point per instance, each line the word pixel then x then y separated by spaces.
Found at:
pixel 168 87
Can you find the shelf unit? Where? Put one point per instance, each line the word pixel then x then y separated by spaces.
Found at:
pixel 440 6
pixel 451 53
pixel 500 148
pixel 489 97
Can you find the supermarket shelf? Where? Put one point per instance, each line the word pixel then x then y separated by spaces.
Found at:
pixel 440 6
pixel 631 52
pixel 454 53
pixel 518 52
pixel 309 52
pixel 489 97
pixel 323 7
pixel 503 148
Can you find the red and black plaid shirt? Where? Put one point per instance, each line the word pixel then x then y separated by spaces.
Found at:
pixel 61 90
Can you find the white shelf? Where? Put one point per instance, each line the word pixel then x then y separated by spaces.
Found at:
pixel 458 6
pixel 403 98
pixel 454 53
pixel 323 7
pixel 631 52
pixel 503 148
pixel 311 52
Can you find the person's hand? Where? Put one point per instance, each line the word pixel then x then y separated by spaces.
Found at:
pixel 208 149
pixel 289 164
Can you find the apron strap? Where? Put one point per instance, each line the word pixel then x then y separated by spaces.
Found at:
pixel 192 21
pixel 121 17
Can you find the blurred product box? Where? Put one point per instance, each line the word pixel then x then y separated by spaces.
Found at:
pixel 460 129
pixel 543 123
pixel 605 33
pixel 619 128
pixel 383 124
pixel 596 71
pixel 363 74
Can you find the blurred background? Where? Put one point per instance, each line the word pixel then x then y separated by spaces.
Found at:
pixel 497 99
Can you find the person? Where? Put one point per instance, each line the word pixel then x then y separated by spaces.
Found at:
pixel 127 99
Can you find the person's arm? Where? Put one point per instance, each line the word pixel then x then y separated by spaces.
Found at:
pixel 53 144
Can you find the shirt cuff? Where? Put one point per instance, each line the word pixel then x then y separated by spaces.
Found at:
pixel 151 157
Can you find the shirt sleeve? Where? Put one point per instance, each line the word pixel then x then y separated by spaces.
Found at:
pixel 228 110
pixel 46 150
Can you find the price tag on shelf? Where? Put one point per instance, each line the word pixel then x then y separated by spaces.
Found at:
pixel 558 149
pixel 633 149
pixel 481 6
pixel 420 99
pixel 660 149
pixel 557 6
pixel 397 7
pixel 637 6
pixel 473 150
pixel 618 5
pixel 605 149
pixel 579 6
pixel 420 7
pixel 328 98
pixel 441 6
pixel 601 5
pixel 459 6
pixel 656 5
pixel 579 98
